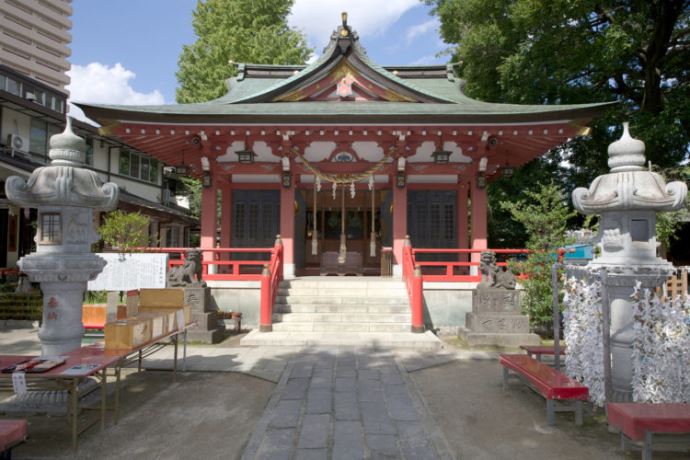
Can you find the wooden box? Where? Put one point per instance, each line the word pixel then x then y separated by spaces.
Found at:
pixel 94 315
pixel 159 322
pixel 126 311
pixel 127 334
pixel 173 297
pixel 172 312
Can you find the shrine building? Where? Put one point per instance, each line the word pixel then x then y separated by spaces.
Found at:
pixel 343 158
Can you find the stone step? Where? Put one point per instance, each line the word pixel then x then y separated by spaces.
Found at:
pixel 336 292
pixel 341 308
pixel 295 326
pixel 372 340
pixel 342 300
pixel 343 283
pixel 341 318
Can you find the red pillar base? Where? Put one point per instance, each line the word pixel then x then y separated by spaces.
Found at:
pixel 266 328
pixel 417 329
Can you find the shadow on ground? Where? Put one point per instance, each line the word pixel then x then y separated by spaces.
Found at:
pixel 200 415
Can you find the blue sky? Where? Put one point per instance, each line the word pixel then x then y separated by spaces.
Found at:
pixel 126 51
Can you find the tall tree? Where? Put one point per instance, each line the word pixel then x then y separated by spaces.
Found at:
pixel 576 51
pixel 235 31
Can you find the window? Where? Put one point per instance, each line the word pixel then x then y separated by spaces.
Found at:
pixel 124 162
pixel 51 230
pixel 13 86
pixel 39 137
pixel 134 165
pixel 138 166
pixel 89 151
pixel 3 80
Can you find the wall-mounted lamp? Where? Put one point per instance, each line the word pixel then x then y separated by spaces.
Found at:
pixel 206 181
pixel 441 156
pixel 286 179
pixel 401 163
pixel 245 156
pixel 400 179
pixel 205 164
pixel 483 163
pixel 285 163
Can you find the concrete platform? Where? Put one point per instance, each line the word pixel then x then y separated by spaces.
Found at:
pixel 376 340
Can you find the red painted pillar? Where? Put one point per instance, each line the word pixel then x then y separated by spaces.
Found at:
pixel 287 228
pixel 463 215
pixel 226 216
pixel 479 220
pixel 208 221
pixel 399 224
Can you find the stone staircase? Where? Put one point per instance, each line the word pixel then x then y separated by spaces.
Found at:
pixel 360 311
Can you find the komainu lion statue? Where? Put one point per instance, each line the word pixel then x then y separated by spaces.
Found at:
pixel 189 273
pixel 493 276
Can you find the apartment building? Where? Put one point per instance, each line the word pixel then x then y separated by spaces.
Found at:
pixel 34 39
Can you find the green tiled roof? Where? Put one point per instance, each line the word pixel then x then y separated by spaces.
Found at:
pixel 251 95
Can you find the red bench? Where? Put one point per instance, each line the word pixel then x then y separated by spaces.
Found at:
pixel 12 432
pixel 548 382
pixel 536 351
pixel 639 422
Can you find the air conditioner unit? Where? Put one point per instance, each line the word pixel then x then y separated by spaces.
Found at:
pixel 17 143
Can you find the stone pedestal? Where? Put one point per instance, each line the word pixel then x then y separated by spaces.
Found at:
pixel 620 284
pixel 496 320
pixel 204 314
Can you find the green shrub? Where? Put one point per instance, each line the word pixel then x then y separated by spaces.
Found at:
pixel 545 215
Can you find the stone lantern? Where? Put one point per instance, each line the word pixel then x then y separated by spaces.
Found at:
pixel 627 199
pixel 66 195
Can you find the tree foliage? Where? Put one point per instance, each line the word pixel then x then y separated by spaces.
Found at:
pixel 239 31
pixel 125 230
pixel 635 52
pixel 544 214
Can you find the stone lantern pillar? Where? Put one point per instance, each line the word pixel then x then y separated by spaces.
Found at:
pixel 66 195
pixel 627 199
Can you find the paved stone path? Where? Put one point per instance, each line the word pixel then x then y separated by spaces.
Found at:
pixel 344 404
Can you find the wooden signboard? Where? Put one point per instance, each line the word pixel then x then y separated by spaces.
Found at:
pixel 125 272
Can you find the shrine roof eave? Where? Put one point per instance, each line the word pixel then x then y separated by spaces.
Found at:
pixel 339 113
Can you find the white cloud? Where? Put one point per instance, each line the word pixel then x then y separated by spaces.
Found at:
pixel 100 84
pixel 421 29
pixel 318 18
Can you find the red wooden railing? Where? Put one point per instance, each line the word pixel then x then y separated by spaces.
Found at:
pixel 416 272
pixel 271 276
pixel 219 258
pixel 412 275
pixel 457 271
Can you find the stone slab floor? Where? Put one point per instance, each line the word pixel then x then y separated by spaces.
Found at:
pixel 343 404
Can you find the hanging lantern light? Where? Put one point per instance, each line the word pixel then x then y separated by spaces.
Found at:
pixel 335 188
pixel 352 189
pixel 318 183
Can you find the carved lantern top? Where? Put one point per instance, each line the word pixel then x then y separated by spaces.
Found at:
pixel 629 186
pixel 64 182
